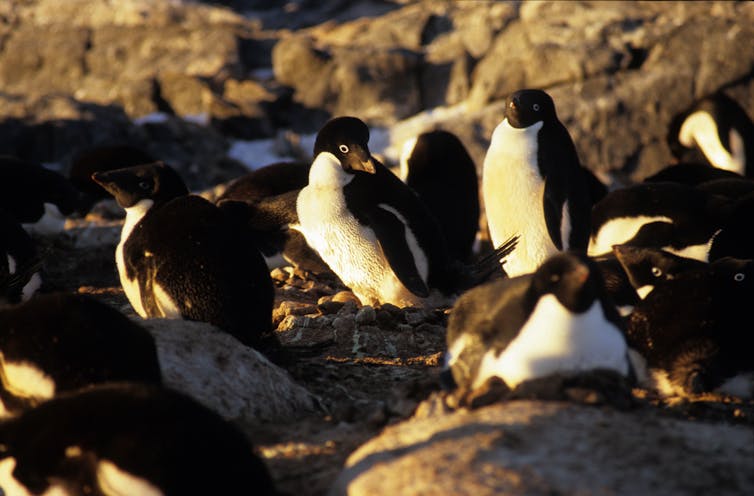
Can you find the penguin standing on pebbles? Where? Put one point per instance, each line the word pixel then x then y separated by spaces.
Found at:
pixel 534 185
pixel 127 439
pixel 180 256
pixel 438 167
pixel 373 230
pixel 556 320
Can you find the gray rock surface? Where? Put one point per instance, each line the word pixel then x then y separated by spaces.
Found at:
pixel 524 447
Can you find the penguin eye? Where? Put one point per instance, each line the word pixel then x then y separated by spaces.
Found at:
pixel 656 271
pixel 555 278
pixel 739 277
pixel 145 185
pixel 343 148
pixel 535 107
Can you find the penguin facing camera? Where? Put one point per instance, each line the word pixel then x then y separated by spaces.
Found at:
pixel 533 183
pixel 180 256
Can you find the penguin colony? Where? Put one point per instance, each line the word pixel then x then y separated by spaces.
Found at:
pixel 648 283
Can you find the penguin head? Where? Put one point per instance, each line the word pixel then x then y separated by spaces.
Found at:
pixel 156 181
pixel 571 277
pixel 347 139
pixel 527 107
pixel 648 267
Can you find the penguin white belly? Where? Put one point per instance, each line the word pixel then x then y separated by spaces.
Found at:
pixel 618 230
pixel 26 380
pixel 554 340
pixel 700 128
pixel 117 482
pixel 131 286
pixel 350 249
pixel 513 195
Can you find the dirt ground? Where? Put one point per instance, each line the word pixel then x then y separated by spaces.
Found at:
pixel 370 368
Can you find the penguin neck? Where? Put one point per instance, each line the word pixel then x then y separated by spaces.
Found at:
pixel 134 214
pixel 326 171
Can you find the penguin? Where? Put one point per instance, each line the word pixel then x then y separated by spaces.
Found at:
pixel 719 128
pixel 277 239
pixel 690 173
pixel 557 319
pixel 689 331
pixel 438 167
pixel 128 438
pixel 102 157
pixel 20 262
pixel 374 231
pixel 674 217
pixel 60 342
pixel 39 198
pixel 181 256
pixel 533 183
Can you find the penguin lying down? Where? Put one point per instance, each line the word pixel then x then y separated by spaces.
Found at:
pixel 555 321
pixel 127 439
pixel 59 342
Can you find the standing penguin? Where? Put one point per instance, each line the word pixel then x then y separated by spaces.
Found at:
pixel 438 167
pixel 180 256
pixel 720 129
pixel 127 439
pixel 59 342
pixel 373 230
pixel 558 319
pixel 533 183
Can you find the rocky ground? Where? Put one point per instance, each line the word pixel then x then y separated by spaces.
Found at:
pixel 192 81
pixel 374 374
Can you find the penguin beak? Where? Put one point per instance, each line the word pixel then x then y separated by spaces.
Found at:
pixel 361 161
pixel 103 179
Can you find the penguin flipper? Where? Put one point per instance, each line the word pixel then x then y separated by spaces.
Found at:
pixel 391 234
pixel 553 209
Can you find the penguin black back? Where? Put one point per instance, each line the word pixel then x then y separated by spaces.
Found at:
pixel 183 257
pixel 130 439
pixel 439 168
pixel 71 341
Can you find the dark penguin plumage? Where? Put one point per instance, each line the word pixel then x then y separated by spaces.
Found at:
pixel 180 256
pixel 438 167
pixel 674 217
pixel 128 439
pixel 20 262
pixel 259 189
pixel 691 330
pixel 38 198
pixel 716 131
pixel 100 158
pixel 373 230
pixel 690 173
pixel 60 342
pixel 533 183
pixel 558 319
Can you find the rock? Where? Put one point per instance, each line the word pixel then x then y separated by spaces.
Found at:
pixel 232 379
pixel 528 447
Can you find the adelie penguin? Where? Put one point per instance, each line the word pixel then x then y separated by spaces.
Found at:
pixel 373 230
pixel 20 262
pixel 59 342
pixel 127 439
pixel 691 330
pixel 438 167
pixel 553 321
pixel 715 131
pixel 180 256
pixel 39 198
pixel 533 184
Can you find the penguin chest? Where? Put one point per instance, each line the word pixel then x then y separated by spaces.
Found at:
pixel 556 340
pixel 350 248
pixel 130 284
pixel 513 194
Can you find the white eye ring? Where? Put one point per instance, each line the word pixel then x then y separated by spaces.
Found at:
pixel 144 185
pixel 343 148
pixel 535 107
pixel 739 277
pixel 656 271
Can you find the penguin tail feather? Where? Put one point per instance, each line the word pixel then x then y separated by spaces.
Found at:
pixel 490 265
